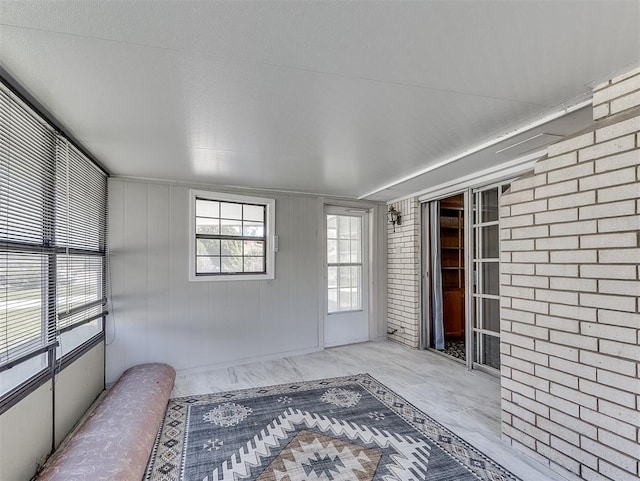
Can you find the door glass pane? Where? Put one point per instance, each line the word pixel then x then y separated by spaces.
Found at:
pixel 332 251
pixel 344 227
pixel 490 309
pixel 488 278
pixel 345 251
pixel 488 242
pixel 344 262
pixel 487 350
pixel 489 205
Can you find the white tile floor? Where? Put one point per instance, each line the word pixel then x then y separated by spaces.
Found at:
pixel 468 403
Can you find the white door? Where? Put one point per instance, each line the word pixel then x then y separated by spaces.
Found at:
pixel 346 319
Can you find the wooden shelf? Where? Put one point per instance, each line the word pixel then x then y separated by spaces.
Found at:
pixel 452 265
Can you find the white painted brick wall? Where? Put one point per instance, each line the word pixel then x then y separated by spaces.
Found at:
pixel 403 271
pixel 617 95
pixel 570 275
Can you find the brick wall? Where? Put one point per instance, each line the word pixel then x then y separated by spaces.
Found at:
pixel 570 305
pixel 403 275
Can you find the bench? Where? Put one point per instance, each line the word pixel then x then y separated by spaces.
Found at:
pixel 116 439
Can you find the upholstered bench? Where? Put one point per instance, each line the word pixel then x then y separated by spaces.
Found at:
pixel 116 439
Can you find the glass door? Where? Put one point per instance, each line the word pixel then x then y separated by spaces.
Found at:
pixel 486 276
pixel 346 271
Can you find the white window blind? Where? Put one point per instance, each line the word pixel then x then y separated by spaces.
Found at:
pixel 27 197
pixel 52 236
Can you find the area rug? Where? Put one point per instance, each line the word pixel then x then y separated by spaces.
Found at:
pixel 341 429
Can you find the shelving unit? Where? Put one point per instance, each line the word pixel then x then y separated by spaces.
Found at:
pixel 452 259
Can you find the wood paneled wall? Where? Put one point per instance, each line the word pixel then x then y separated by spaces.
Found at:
pixel 158 315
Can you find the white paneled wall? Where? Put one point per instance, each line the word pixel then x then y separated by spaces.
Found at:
pixel 158 315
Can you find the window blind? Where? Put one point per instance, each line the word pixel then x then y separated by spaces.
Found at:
pixel 27 194
pixel 52 235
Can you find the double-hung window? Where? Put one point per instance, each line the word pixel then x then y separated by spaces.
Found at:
pixel 52 249
pixel 231 237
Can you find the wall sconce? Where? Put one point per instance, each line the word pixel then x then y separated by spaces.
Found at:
pixel 394 217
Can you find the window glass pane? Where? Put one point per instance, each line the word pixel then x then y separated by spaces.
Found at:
pixel 253 229
pixel 21 304
pixel 345 251
pixel 253 213
pixel 231 247
pixel 253 248
pixel 79 281
pixel 208 265
pixel 15 376
pixel 207 226
pixel 254 264
pixel 69 340
pixel 332 251
pixel 231 264
pixel 207 208
pixel 208 247
pixel 230 211
pixel 230 227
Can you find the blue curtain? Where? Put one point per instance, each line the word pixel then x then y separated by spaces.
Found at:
pixel 437 326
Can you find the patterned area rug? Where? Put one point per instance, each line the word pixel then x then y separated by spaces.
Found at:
pixel 341 429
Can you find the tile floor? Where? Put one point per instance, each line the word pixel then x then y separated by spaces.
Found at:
pixel 468 403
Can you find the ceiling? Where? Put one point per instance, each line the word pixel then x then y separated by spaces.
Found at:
pixel 335 98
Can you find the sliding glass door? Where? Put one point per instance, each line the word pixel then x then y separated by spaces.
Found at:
pixel 461 276
pixel 486 276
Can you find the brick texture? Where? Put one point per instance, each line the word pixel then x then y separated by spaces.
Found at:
pixel 403 271
pixel 571 358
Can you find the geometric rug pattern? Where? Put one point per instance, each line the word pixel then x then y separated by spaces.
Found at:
pixel 350 428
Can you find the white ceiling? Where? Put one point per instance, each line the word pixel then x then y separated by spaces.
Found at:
pixel 337 98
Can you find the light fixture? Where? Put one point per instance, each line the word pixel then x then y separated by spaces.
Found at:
pixel 394 217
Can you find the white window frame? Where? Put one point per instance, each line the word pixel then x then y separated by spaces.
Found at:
pixel 270 247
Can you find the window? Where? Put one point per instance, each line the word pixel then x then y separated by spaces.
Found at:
pixel 344 262
pixel 52 248
pixel 231 237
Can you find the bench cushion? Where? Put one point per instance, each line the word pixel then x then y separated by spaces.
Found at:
pixel 116 439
